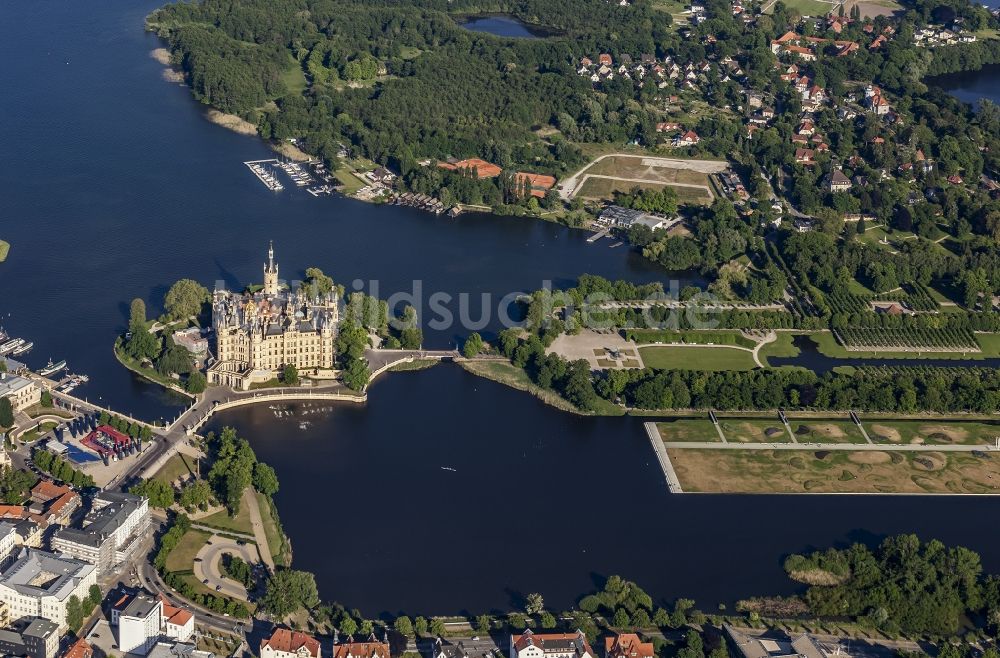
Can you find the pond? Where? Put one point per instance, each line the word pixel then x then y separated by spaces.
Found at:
pixel 810 357
pixel 502 25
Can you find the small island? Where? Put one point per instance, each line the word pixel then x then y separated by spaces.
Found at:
pixel 4 250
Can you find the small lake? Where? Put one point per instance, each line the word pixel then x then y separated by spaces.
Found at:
pixel 971 86
pixel 502 25
pixel 810 357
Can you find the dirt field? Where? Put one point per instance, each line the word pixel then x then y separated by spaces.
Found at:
pixel 801 471
pixel 620 173
pixel 744 430
pixel 826 431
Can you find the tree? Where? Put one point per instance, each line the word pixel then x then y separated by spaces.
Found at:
pixel 534 603
pixel 196 383
pixel 185 298
pixel 403 626
pixel 288 591
pixel 473 345
pixel 6 413
pixel 46 399
pixel 420 626
pixel 437 627
pixel 347 625
pixel 265 480
pixel 548 620
pixel 137 316
pixel 95 594
pixel 160 494
pixel 483 624
pixel 290 375
pixel 195 495
pixel 74 613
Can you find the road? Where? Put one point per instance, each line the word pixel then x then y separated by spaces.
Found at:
pixel 208 565
pixel 253 507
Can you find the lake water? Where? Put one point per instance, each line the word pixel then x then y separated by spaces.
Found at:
pixel 114 186
pixel 810 357
pixel 972 86
pixel 502 26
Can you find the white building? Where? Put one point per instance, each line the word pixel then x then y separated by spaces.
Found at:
pixel 550 645
pixel 40 584
pixel 8 542
pixel 21 392
pixel 142 621
pixel 111 532
pixel 139 624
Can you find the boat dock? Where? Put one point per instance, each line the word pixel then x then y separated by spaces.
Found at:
pixel 259 169
pixel 421 201
pixel 600 234
pixel 295 171
pixel 673 484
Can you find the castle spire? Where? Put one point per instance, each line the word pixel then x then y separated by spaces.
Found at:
pixel 270 272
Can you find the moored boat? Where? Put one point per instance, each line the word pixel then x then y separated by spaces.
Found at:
pixel 52 368
pixel 23 348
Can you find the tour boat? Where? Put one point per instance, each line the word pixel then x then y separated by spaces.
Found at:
pixel 23 348
pixel 11 345
pixel 52 368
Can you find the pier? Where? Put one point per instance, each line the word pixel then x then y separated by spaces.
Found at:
pixel 259 169
pixel 673 484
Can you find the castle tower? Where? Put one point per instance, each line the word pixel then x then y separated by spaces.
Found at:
pixel 270 272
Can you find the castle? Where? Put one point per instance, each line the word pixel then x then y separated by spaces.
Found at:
pixel 258 333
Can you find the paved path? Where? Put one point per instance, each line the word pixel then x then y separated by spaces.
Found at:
pixel 208 565
pixel 673 484
pixel 250 500
pixel 769 338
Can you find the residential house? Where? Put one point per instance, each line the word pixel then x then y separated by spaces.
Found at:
pixel 627 645
pixel 838 181
pixel 690 138
pixel 285 643
pixel 371 648
pixel 550 645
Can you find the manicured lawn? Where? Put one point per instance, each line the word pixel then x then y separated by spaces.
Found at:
pixel 180 465
pixel 781 347
pixel 829 471
pixel 350 182
pixel 238 523
pixel 810 7
pixel 182 557
pixel 688 429
pixel 711 359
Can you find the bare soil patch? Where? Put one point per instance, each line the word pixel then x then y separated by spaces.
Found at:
pixel 887 433
pixel 232 122
pixel 870 457
pixel 161 55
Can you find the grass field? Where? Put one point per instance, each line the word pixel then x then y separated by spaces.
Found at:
pixel 754 430
pixel 808 7
pixel 605 188
pixel 688 429
pixel 275 538
pixel 182 557
pixel 239 523
pixel 350 182
pixel 178 466
pixel 294 78
pixel 932 432
pixel 825 431
pixel 712 359
pixel 824 471
pixel 781 347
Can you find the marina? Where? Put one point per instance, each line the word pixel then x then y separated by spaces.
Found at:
pixel 259 169
pixel 11 345
pixel 421 201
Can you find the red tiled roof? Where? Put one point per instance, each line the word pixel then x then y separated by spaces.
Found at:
pixel 79 649
pixel 173 614
pixel 627 645
pixel 361 650
pixel 290 641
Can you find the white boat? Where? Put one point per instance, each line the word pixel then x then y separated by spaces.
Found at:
pixel 23 348
pixel 52 368
pixel 11 345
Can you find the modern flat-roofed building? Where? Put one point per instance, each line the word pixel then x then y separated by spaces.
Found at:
pixel 40 639
pixel 177 650
pixel 21 392
pixel 762 646
pixel 40 584
pixel 550 645
pixel 111 531
pixel 139 624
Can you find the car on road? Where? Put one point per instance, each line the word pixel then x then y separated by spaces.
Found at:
pixel 218 588
pixel 205 581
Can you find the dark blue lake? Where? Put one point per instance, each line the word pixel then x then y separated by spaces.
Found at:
pixel 502 26
pixel 113 186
